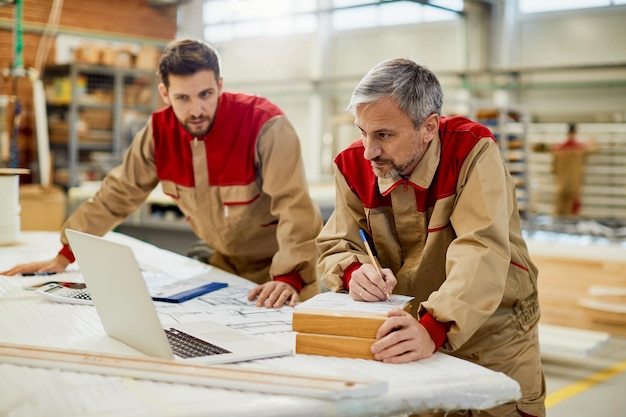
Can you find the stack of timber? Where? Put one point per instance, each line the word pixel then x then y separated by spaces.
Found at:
pixel 605 304
pixel 339 332
pixel 345 334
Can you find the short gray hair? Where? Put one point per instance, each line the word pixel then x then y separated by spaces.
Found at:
pixel 414 87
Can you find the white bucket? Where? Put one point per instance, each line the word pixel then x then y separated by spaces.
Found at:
pixel 9 208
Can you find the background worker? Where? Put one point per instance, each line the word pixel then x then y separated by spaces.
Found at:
pixel 569 159
pixel 439 204
pixel 232 163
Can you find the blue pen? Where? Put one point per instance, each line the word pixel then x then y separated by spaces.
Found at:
pixel 372 258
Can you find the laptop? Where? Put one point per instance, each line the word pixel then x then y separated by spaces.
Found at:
pixel 128 314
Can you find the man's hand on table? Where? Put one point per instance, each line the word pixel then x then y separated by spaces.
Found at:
pixel 57 264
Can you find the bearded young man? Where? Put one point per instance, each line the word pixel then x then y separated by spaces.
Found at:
pixel 232 163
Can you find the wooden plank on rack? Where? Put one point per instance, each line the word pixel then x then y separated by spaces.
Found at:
pixel 221 376
pixel 564 342
pixel 566 278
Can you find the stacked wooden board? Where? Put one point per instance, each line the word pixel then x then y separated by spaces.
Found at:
pixel 347 329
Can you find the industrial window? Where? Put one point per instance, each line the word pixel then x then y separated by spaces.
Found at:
pixel 230 19
pixel 358 14
pixel 535 6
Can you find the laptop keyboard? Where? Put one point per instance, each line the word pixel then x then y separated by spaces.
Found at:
pixel 187 346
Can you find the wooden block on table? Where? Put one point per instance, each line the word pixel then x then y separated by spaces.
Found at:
pixel 338 323
pixel 332 324
pixel 331 345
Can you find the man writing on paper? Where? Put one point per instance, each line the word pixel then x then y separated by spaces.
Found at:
pixel 233 165
pixel 439 204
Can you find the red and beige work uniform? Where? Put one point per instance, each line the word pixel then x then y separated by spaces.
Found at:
pixel 568 166
pixel 242 188
pixel 451 234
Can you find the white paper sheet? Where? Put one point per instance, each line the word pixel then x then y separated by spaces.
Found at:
pixel 343 302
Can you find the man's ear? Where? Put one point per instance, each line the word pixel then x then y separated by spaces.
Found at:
pixel 430 127
pixel 220 86
pixel 163 94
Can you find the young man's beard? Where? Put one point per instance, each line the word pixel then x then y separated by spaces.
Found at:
pixel 197 132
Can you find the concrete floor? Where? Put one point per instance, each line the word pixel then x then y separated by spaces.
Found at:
pixel 594 386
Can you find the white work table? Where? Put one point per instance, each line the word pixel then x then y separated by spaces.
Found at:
pixel 441 382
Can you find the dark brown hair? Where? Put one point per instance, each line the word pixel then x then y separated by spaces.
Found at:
pixel 186 57
pixel 571 128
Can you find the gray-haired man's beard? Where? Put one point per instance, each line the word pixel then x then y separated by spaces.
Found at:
pixel 394 172
pixel 390 173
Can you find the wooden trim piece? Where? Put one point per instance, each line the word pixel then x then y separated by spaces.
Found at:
pixel 221 376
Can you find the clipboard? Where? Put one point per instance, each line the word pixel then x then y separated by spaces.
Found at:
pixel 186 289
pixel 60 293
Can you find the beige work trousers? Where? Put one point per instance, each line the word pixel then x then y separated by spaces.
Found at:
pixel 566 203
pixel 513 351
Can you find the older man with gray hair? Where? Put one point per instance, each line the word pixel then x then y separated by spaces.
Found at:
pixel 438 203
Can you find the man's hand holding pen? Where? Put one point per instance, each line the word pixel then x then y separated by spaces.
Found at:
pixel 370 282
pixel 367 284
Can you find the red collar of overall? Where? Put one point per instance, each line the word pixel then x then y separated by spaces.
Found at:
pixel 435 176
pixel 230 144
pixel 570 143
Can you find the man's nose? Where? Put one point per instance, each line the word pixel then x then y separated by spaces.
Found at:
pixel 371 149
pixel 196 108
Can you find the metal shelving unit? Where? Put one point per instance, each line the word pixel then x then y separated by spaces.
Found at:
pixel 509 125
pixel 91 108
pixel 604 188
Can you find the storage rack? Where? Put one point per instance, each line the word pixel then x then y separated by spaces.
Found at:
pixel 604 188
pixel 87 109
pixel 509 125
